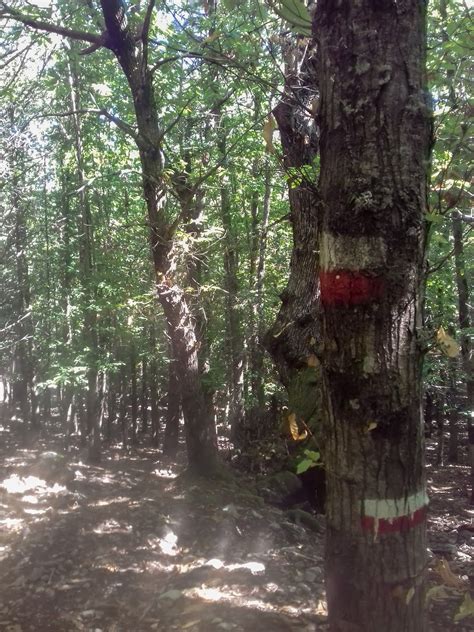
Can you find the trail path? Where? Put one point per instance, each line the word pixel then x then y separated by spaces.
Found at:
pixel 128 547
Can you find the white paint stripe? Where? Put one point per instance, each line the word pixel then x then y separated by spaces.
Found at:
pixel 351 253
pixel 388 508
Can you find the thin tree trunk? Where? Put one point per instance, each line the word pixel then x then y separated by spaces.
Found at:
pixel 256 347
pixel 23 389
pixel 144 396
pixel 133 396
pixel 462 283
pixel 111 405
pixel 171 439
pixel 235 342
pixel 375 140
pixel 451 398
pixel 89 334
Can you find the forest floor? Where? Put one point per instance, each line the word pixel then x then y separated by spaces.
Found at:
pixel 130 546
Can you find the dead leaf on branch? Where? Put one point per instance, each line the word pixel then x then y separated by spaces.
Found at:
pixel 268 128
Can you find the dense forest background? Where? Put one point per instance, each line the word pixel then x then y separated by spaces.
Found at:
pixel 78 310
pixel 193 127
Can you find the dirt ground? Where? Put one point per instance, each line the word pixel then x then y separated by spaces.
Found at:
pixel 131 546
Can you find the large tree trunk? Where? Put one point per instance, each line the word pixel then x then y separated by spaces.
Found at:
pixel 132 55
pixel 292 340
pixel 375 126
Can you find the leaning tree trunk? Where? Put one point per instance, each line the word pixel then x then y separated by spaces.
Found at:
pixel 375 124
pixel 132 53
pixel 292 340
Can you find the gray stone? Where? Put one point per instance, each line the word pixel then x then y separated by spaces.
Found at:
pixel 277 487
pixel 173 595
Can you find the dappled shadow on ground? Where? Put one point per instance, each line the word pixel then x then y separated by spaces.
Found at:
pixel 128 546
pixel 451 546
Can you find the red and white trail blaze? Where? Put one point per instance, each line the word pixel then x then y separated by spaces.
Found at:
pixel 396 515
pixel 349 270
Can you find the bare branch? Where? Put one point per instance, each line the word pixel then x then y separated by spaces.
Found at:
pixel 122 125
pixel 39 25
pixel 469 219
pixel 146 30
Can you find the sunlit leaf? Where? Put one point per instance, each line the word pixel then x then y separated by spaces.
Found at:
pixel 296 13
pixel 304 465
pixel 269 126
pixel 447 576
pixel 447 344
pixel 466 608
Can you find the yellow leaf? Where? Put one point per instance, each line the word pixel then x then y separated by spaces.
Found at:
pixel 293 426
pixel 447 576
pixel 466 609
pixel 289 428
pixel 269 126
pixel 409 596
pixel 312 360
pixel 371 425
pixel 446 343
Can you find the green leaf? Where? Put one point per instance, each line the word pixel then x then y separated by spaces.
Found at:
pixel 466 609
pixel 304 465
pixel 296 14
pixel 313 455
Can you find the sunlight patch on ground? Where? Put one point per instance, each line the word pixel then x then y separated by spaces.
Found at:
pixel 15 460
pixel 165 473
pixel 256 568
pixel 234 597
pixel 110 501
pixel 36 512
pixel 112 526
pixel 167 544
pixel 12 524
pixel 17 485
pixel 237 598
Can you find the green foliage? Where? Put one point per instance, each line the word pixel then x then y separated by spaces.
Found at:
pixel 295 13
pixel 312 459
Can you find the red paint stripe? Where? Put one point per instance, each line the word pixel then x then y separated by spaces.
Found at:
pixel 349 287
pixel 394 525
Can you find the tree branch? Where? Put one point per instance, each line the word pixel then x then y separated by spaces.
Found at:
pixel 469 219
pixel 39 25
pixel 122 125
pixel 146 30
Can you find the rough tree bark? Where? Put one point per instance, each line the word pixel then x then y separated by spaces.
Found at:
pixel 375 124
pixel 292 340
